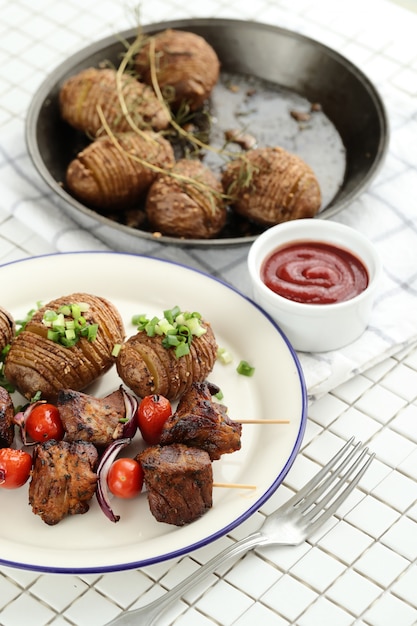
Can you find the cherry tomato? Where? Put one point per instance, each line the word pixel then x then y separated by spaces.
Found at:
pixel 15 466
pixel 44 423
pixel 125 478
pixel 153 412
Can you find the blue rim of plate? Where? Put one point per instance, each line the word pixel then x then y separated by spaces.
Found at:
pixel 248 512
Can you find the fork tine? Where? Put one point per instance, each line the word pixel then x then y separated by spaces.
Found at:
pixel 304 491
pixel 324 514
pixel 331 477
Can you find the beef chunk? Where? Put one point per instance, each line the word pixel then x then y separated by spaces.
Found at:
pixel 179 481
pixel 199 422
pixel 86 418
pixel 63 479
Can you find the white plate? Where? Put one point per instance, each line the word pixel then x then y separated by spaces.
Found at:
pixel 91 543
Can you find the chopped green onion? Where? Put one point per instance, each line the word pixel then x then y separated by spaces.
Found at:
pixel 172 314
pixel 53 335
pixel 65 310
pixel 163 327
pixel 76 311
pixel 219 395
pixel 139 320
pixel 178 328
pixel 67 325
pixel 116 349
pixel 70 334
pixel 224 356
pixel 245 369
pixel 89 331
pixel 182 349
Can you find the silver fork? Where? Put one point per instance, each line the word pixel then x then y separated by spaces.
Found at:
pixel 294 522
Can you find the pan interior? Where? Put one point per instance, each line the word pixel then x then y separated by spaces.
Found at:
pixel 271 79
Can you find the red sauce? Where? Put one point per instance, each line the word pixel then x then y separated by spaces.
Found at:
pixel 314 273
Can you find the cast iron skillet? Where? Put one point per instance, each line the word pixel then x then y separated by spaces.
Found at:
pixel 344 140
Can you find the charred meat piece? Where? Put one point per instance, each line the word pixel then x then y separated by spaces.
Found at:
pixel 179 481
pixel 86 418
pixel 202 423
pixel 63 479
pixel 6 419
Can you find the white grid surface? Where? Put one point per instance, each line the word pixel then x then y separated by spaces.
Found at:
pixel 360 568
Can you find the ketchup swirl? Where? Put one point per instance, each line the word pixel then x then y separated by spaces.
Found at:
pixel 314 273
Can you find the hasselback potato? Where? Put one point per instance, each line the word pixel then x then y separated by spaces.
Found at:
pixel 187 67
pixel 38 364
pixel 7 328
pixel 147 367
pixel 181 207
pixel 6 419
pixel 270 185
pixel 106 177
pixel 81 94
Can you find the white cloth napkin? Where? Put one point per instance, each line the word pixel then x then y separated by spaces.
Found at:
pixel 386 214
pixel 27 198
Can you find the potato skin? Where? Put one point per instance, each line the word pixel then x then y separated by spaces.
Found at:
pixel 81 94
pixel 7 328
pixel 146 367
pixel 187 67
pixel 270 185
pixel 180 208
pixel 106 178
pixel 35 363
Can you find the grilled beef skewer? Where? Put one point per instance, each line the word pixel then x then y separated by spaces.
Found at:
pixel 179 480
pixel 86 418
pixel 63 479
pixel 199 422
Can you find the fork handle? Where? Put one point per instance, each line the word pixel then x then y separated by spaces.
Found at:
pixel 146 615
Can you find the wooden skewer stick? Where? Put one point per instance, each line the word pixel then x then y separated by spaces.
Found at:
pixel 234 485
pixel 255 421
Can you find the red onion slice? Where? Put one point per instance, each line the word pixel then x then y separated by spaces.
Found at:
pixel 20 420
pixel 102 491
pixel 131 406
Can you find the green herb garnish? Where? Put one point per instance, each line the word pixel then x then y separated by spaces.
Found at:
pixel 245 369
pixel 178 328
pixel 67 325
pixel 224 356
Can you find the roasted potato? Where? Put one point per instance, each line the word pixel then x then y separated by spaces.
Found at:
pixel 35 363
pixel 270 185
pixel 181 208
pixel 106 177
pixel 186 65
pixel 6 419
pixel 146 367
pixel 7 328
pixel 83 93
